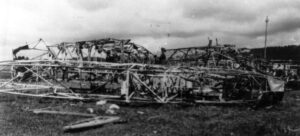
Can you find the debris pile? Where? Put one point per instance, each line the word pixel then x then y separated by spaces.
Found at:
pixel 119 70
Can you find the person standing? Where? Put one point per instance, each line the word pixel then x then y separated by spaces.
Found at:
pixel 162 58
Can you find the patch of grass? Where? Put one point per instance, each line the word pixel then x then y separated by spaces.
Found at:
pixel 155 120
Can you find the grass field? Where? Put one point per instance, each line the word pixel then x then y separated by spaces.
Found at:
pixel 16 120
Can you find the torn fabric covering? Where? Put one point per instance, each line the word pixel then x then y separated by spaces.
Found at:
pixel 15 51
pixel 276 85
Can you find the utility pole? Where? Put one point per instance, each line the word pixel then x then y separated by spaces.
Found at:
pixel 266 36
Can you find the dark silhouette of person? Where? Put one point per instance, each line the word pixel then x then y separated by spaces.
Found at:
pixel 109 57
pixel 162 57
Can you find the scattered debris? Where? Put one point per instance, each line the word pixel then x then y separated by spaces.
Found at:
pixel 110 111
pixel 114 107
pixel 140 112
pixel 269 107
pixel 101 102
pixel 90 110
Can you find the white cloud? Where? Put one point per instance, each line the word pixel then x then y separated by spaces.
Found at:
pixel 155 23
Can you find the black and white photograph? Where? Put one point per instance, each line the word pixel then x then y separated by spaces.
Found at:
pixel 150 67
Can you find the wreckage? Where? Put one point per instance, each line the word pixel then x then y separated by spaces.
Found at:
pixel 119 70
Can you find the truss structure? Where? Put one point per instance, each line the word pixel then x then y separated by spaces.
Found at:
pixel 72 71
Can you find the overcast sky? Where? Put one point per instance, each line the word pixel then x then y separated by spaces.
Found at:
pixel 152 23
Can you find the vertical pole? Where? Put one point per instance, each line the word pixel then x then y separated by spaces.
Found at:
pixel 122 51
pixel 266 36
pixel 89 52
pixel 127 86
pixel 12 70
pixel 37 71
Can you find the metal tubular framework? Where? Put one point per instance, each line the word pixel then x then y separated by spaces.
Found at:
pixel 73 71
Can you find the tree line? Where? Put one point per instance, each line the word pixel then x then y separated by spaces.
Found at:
pixel 288 52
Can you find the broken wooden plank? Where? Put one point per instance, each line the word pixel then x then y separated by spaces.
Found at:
pixel 91 122
pixel 40 111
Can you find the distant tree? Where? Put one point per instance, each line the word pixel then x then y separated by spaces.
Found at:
pixel 289 52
